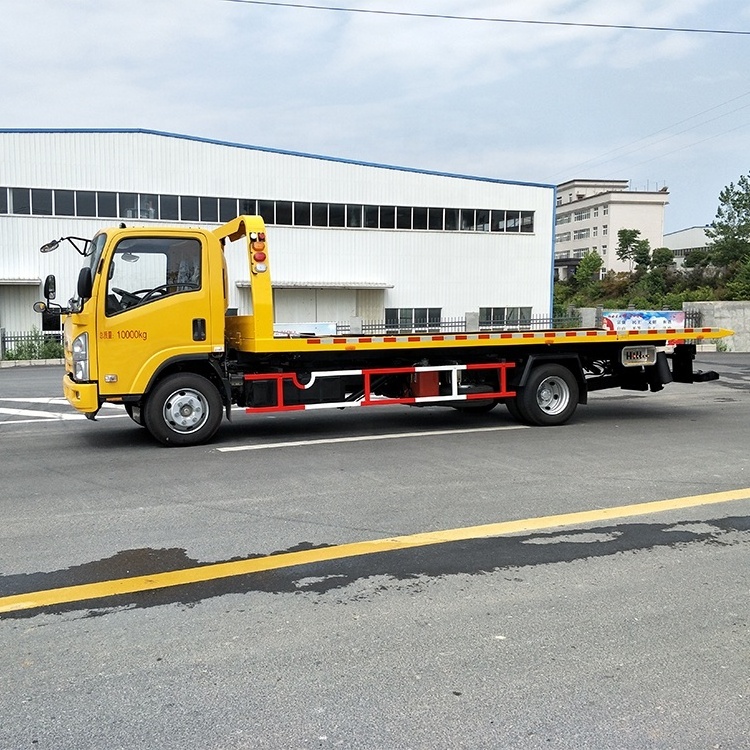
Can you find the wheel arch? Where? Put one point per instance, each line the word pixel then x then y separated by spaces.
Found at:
pixel 197 364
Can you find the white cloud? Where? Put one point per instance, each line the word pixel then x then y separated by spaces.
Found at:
pixel 506 100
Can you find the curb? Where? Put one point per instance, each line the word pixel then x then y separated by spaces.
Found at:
pixel 29 362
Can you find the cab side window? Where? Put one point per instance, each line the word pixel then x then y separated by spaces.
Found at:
pixel 144 270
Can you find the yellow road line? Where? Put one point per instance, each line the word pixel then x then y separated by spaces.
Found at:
pixel 213 571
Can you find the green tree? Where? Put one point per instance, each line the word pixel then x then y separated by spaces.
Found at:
pixel 588 270
pixel 661 257
pixel 631 248
pixel 738 288
pixel 730 230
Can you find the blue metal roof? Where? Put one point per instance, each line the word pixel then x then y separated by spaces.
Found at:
pixel 264 149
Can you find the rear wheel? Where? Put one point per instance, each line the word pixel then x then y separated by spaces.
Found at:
pixel 550 396
pixel 515 412
pixel 184 409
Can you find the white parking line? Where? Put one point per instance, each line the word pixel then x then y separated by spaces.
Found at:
pixel 363 438
pixel 36 415
pixel 39 400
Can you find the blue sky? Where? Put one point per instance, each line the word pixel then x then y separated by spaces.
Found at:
pixel 512 101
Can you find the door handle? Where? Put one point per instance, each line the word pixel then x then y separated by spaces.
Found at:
pixel 199 329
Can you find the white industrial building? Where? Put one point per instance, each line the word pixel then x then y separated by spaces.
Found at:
pixel 590 213
pixel 346 239
pixel 685 241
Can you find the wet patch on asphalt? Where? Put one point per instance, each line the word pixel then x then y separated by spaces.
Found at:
pixel 467 557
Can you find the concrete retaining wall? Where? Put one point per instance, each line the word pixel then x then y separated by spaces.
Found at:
pixel 734 315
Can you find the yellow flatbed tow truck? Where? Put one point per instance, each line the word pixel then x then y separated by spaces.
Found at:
pixel 148 328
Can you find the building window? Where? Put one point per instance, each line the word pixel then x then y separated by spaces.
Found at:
pixel 419 218
pixel 336 215
pixel 562 237
pixel 371 217
pixel 596 211
pixel 604 230
pixel 435 218
pixel 595 231
pixel 502 317
pixel 412 318
pixel 387 217
pixel 284 213
pixel 320 214
pixel 497 221
pixel 210 209
pixel 512 221
pixel 353 216
pixel 169 207
pixel 147 206
pixel 128 205
pixel 582 215
pixel 403 217
pixel 301 214
pixel 227 209
pixel 468 219
pixel 189 208
pixel 267 210
pixel 581 234
pixel 41 202
pixel 65 204
pixel 85 203
pixel 451 219
pixel 106 205
pixel 20 202
pixel 605 210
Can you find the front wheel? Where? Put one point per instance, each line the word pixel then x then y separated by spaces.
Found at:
pixel 549 397
pixel 184 409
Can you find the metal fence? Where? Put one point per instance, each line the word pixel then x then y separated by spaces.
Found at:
pixel 455 325
pixel 30 344
pixel 693 319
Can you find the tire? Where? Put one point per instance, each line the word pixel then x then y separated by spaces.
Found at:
pixel 550 396
pixel 513 409
pixel 135 413
pixel 184 409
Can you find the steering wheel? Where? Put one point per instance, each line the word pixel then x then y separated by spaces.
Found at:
pixel 128 298
pixel 163 288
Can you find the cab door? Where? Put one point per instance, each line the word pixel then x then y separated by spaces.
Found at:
pixel 156 306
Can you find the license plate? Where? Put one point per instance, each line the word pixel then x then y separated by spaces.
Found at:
pixel 638 356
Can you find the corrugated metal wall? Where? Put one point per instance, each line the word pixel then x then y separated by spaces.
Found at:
pixel 457 271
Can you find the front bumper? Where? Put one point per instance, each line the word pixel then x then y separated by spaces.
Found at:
pixel 81 396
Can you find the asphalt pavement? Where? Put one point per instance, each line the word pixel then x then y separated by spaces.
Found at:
pixel 625 633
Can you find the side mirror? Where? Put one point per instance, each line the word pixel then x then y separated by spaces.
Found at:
pixel 85 284
pixel 50 246
pixel 50 287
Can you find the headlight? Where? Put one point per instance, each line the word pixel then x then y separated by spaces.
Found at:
pixel 80 350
